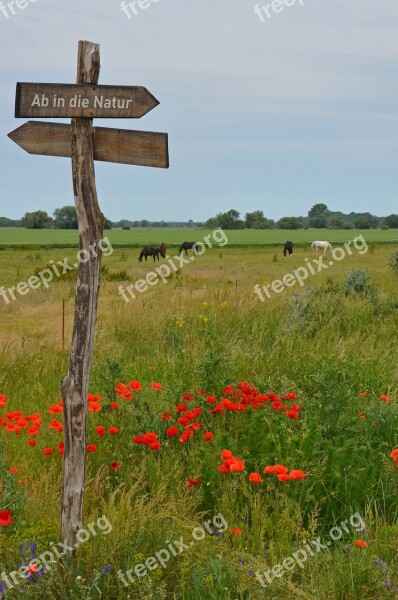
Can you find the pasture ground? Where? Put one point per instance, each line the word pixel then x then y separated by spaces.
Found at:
pixel 176 235
pixel 205 329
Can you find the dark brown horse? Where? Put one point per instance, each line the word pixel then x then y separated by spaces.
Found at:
pixel 288 248
pixel 152 251
pixel 187 246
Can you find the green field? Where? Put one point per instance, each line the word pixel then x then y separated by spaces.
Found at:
pixel 202 330
pixel 176 236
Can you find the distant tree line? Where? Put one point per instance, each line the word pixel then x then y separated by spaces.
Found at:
pixel 63 218
pixel 318 217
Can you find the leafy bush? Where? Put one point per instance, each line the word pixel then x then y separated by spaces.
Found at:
pixel 393 262
pixel 357 281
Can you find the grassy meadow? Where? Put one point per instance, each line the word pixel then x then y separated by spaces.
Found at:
pixel 275 383
pixel 176 235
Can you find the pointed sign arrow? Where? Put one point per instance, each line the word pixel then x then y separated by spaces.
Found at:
pixel 64 100
pixel 124 146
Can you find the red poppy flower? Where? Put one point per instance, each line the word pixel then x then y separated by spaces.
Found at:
pixel 394 455
pixel 56 426
pixel 166 416
pixel 5 518
pixel 56 408
pixel 181 408
pixel 32 569
pixel 385 398
pixel 237 466
pixel 292 414
pixel 223 469
pixel 115 465
pixel 191 482
pixel 114 405
pixel 123 391
pixel 226 454
pixel 94 407
pixel 363 394
pixel 195 426
pixel 3 400
pixel 135 386
pixel 93 398
pixel 188 397
pixel 255 478
pixel 276 469
pixel 48 451
pixel 236 531
pixel 186 434
pixel 361 543
pixel 113 430
pixel 33 430
pixel 100 430
pixel 298 474
pixel 156 386
pixel 283 477
pixel 208 436
pixel 172 431
pixel 13 469
pixel 154 446
pixel 32 442
pixel 362 415
pixel 211 399
pixel 150 437
pixel 91 448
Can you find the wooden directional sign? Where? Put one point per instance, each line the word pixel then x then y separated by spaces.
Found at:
pixel 84 144
pixel 124 146
pixel 90 101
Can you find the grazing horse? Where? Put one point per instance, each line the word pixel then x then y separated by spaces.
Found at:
pixel 288 248
pixel 162 250
pixel 322 245
pixel 187 246
pixel 149 251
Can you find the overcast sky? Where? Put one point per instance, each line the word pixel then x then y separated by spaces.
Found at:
pixel 263 112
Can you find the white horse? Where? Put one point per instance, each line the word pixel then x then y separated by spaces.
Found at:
pixel 322 245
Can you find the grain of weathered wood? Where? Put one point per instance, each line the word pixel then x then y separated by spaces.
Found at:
pixel 147 149
pixel 59 100
pixel 75 384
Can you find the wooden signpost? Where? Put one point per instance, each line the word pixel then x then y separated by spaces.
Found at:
pixel 88 101
pixel 125 146
pixel 84 144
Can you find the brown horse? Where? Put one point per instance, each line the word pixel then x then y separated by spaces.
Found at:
pixel 152 251
pixel 187 246
pixel 149 251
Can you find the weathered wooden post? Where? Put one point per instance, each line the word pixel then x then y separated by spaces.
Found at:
pixel 84 144
pixel 75 385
